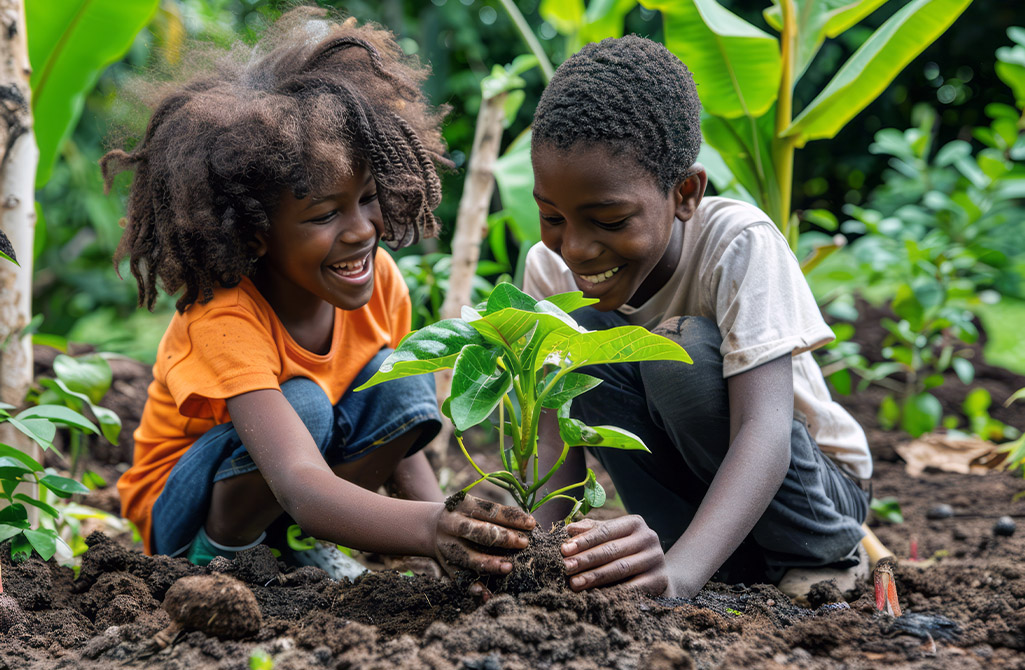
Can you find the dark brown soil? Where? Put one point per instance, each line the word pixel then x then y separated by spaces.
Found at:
pixel 966 609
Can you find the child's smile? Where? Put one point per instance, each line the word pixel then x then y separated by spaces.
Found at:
pixel 606 216
pixel 320 250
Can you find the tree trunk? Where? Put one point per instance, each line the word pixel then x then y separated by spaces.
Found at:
pixel 471 226
pixel 18 160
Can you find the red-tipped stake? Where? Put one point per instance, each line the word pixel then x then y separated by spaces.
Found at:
pixel 914 548
pixel 886 589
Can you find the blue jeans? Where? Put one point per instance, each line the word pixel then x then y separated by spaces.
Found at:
pixel 345 432
pixel 681 412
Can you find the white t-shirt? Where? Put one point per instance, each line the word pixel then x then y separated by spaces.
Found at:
pixel 737 270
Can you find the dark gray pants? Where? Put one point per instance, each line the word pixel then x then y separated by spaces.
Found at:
pixel 681 412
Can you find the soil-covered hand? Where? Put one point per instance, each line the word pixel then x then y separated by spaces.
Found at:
pixel 467 528
pixel 622 551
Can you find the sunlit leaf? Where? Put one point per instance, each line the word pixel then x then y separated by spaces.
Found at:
pixel 570 301
pixel 90 375
pixel 62 486
pixel 478 384
pixel 28 461
pixel 920 414
pixel 431 348
pixel 615 345
pixel 594 493
pixel 40 431
pixel 59 414
pixel 43 541
pixel 568 387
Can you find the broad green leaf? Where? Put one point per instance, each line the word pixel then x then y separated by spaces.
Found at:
pixel 28 500
pixel 90 375
pixel 816 20
pixel 873 66
pixel 14 515
pixel 964 370
pixel 434 347
pixel 11 468
pixel 7 249
pixel 841 381
pixel 921 413
pixel 594 494
pixel 59 414
pixel 735 65
pixel 745 145
pixel 515 178
pixel 615 345
pixel 62 486
pixel 110 422
pixel 43 541
pixel 576 433
pixel 512 324
pixel 604 18
pixel 887 509
pixel 11 452
pixel 40 431
pixel 7 532
pixel 570 386
pixel 506 295
pixel 70 42
pixel 478 384
pixel 566 16
pixel 21 548
pixel 570 301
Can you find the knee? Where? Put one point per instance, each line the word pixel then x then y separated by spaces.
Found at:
pixel 701 381
pixel 312 405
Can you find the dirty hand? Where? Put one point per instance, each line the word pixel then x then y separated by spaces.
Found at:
pixel 464 533
pixel 622 551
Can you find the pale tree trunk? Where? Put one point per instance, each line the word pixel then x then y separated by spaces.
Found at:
pixel 471 226
pixel 18 160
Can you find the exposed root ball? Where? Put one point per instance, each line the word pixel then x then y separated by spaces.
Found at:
pixel 217 605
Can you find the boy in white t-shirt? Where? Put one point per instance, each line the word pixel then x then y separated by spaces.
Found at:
pixel 736 481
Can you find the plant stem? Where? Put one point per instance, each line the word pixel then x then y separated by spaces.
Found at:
pixel 783 147
pixel 536 486
pixel 528 36
pixel 557 492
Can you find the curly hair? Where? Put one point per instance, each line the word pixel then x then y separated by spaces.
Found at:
pixel 631 93
pixel 295 112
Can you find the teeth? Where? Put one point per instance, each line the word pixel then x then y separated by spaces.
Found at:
pixel 599 278
pixel 350 267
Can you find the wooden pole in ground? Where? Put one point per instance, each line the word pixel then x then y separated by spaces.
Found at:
pixel 18 160
pixel 471 226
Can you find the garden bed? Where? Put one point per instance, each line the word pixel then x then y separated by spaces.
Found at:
pixel 966 610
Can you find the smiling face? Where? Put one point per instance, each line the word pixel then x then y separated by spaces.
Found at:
pixel 609 221
pixel 320 249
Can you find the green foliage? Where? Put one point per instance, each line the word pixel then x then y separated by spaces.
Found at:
pixel 1015 450
pixel 39 424
pixel 886 509
pixel 427 279
pixel 747 79
pixel 70 43
pixel 260 660
pixel 513 347
pixel 1010 65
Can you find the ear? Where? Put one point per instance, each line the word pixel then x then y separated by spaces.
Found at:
pixel 688 193
pixel 259 243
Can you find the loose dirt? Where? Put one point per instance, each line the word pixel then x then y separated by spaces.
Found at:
pixel 965 607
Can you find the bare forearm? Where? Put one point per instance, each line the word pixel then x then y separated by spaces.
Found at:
pixel 414 479
pixel 748 479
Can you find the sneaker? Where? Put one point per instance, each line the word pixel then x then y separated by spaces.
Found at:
pixel 797 582
pixel 329 558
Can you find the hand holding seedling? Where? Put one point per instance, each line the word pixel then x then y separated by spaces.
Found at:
pixel 467 525
pixel 620 551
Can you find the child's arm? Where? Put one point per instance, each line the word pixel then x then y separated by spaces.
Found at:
pixel 761 411
pixel 331 508
pixel 414 479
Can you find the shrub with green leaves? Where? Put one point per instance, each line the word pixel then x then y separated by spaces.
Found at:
pixel 514 356
pixel 39 424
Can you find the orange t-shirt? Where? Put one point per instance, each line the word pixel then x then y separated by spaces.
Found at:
pixel 235 344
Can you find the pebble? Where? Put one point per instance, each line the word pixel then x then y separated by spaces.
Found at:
pixel 940 511
pixel 1004 526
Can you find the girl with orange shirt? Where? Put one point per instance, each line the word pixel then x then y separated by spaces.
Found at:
pixel 261 192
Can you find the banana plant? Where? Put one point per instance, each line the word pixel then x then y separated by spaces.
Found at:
pixel 513 356
pixel 746 78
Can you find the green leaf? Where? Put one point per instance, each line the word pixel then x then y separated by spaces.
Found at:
pixel 11 452
pixel 59 414
pixel 889 413
pixel 921 414
pixel 21 548
pixel 7 249
pixel 14 515
pixel 62 486
pixel 434 347
pixel 260 660
pixel 478 384
pixel 70 42
pixel 964 369
pixel 594 494
pixel 28 500
pixel 110 422
pixel 841 381
pixel 576 433
pixel 977 403
pixel 568 387
pixel 295 543
pixel 93 481
pixel 887 509
pixel 570 301
pixel 873 66
pixel 90 375
pixel 615 345
pixel 566 16
pixel 506 295
pixel 745 145
pixel 40 431
pixel 736 66
pixel 44 541
pixel 7 532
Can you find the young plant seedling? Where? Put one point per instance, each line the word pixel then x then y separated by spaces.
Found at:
pixel 515 356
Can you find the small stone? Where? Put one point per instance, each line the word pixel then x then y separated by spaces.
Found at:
pixel 940 511
pixel 1005 526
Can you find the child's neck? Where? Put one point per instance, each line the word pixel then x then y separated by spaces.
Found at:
pixel 311 324
pixel 663 270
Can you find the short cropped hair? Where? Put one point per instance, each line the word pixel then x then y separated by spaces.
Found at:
pixel 631 93
pixel 296 113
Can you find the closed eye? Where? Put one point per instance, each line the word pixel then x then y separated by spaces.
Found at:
pixel 368 198
pixel 324 218
pixel 612 225
pixel 553 220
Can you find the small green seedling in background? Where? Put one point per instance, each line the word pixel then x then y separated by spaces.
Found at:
pixel 260 660
pixel 1016 450
pixel 515 356
pixel 887 509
